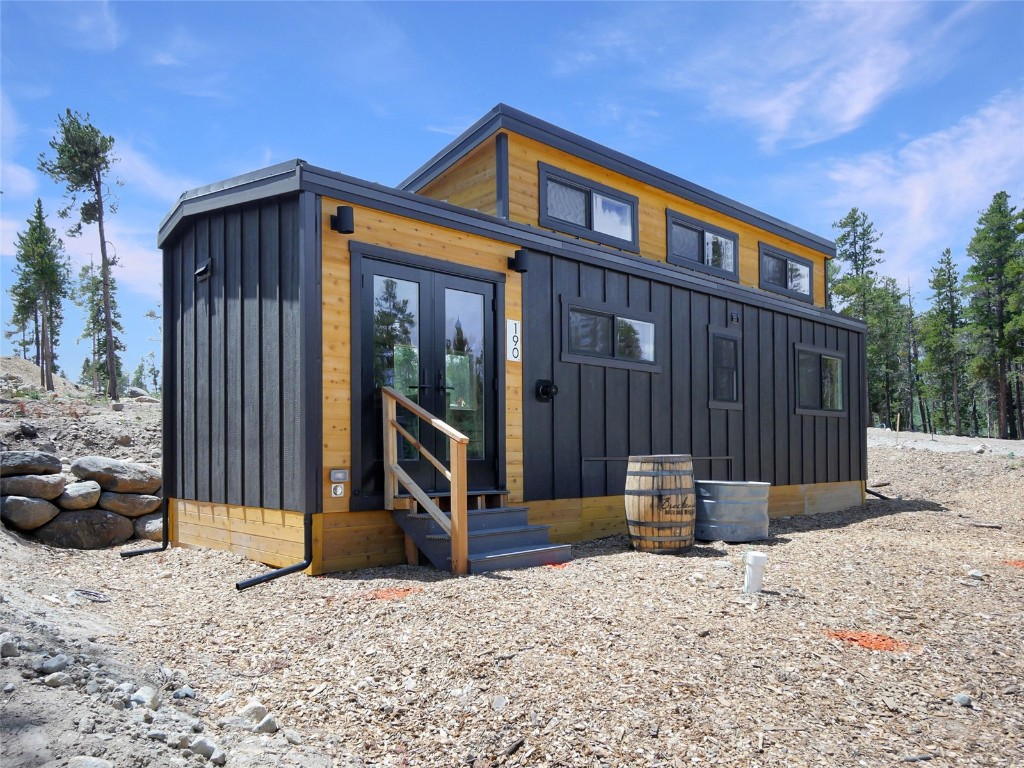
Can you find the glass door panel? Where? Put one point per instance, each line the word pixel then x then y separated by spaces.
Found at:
pixel 396 348
pixel 465 395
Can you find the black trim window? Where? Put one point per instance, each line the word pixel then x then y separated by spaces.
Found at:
pixel 724 369
pixel 820 381
pixel 786 273
pixel 578 206
pixel 704 247
pixel 597 335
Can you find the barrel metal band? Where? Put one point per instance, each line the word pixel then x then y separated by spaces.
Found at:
pixel 657 472
pixel 662 538
pixel 659 523
pixel 659 492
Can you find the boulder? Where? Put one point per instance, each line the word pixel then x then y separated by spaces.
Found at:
pixel 146 399
pixel 28 463
pixel 118 476
pixel 90 529
pixel 81 495
pixel 149 527
pixel 25 514
pixel 129 504
pixel 47 487
pixel 137 392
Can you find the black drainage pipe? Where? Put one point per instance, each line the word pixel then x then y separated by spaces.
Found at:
pixel 876 493
pixel 307 532
pixel 163 544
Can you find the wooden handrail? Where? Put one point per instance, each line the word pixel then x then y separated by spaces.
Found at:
pixel 456 527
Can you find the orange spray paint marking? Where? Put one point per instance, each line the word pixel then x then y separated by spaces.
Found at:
pixel 557 565
pixel 392 593
pixel 870 640
pixel 1015 563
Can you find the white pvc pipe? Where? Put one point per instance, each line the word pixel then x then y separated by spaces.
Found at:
pixel 754 576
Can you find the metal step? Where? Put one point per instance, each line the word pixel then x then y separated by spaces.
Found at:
pixel 477 519
pixel 508 559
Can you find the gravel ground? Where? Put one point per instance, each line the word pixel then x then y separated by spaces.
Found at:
pixel 617 659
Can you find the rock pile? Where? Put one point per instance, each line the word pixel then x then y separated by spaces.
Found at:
pixel 112 718
pixel 107 501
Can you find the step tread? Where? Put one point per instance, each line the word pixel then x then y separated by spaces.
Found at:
pixel 492 531
pixel 490 511
pixel 497 554
pixel 447 494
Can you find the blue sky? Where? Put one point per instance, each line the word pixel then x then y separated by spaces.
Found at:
pixel 912 112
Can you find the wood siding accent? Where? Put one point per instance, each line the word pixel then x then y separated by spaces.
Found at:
pixel 360 539
pixel 237 362
pixel 575 520
pixel 604 412
pixel 269 536
pixel 523 180
pixel 470 182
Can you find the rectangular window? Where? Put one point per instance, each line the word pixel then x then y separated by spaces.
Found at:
pixel 819 381
pixel 786 273
pixel 598 335
pixel 704 247
pixel 578 206
pixel 724 368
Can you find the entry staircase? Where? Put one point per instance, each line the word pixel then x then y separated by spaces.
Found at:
pixel 499 536
pixel 464 531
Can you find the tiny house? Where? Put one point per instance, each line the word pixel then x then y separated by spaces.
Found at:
pixel 556 304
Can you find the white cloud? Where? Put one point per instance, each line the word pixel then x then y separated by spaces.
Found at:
pixel 139 260
pixel 93 26
pixel 800 74
pixel 926 195
pixel 140 173
pixel 17 181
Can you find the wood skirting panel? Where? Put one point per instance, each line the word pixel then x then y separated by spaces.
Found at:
pixel 574 520
pixel 524 153
pixel 270 536
pixel 814 498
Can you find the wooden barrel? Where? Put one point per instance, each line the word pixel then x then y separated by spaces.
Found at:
pixel 660 503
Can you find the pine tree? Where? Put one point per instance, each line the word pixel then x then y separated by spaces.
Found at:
pixel 942 331
pixel 856 247
pixel 43 282
pixel 886 346
pixel 995 250
pixel 88 294
pixel 82 161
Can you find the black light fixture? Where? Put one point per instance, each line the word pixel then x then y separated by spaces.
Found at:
pixel 202 271
pixel 342 221
pixel 520 262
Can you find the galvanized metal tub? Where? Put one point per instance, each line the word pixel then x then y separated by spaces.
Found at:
pixel 731 511
pixel 660 503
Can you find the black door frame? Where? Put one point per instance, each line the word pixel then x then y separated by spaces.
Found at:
pixel 361 421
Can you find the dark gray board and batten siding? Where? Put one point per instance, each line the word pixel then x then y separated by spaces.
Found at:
pixel 241 402
pixel 605 412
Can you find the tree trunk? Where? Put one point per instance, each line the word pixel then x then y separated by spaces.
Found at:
pixel 35 340
pixel 46 370
pixel 1001 394
pixel 956 395
pixel 1020 401
pixel 974 413
pixel 108 324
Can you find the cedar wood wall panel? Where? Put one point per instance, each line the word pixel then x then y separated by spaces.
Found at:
pixel 608 412
pixel 523 176
pixel 236 376
pixel 470 182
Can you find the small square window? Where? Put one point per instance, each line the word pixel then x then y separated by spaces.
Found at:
pixel 567 203
pixel 703 247
pixel 578 206
pixel 786 273
pixel 819 381
pixel 634 340
pixel 590 333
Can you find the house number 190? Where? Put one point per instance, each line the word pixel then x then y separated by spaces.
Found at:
pixel 514 340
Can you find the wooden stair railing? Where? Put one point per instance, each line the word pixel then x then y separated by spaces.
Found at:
pixel 457 526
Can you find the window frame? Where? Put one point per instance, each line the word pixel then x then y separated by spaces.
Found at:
pixel 764 250
pixel 821 352
pixel 736 336
pixel 549 172
pixel 615 313
pixel 673 218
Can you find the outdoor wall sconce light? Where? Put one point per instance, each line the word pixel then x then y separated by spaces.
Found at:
pixel 734 317
pixel 202 271
pixel 343 221
pixel 520 262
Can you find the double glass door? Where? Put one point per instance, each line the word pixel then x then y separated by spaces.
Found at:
pixel 431 336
